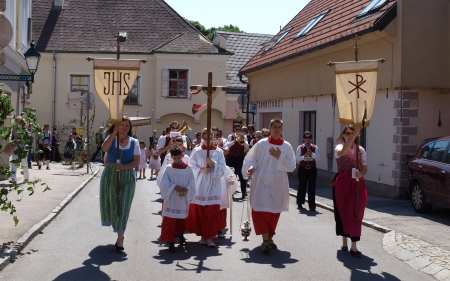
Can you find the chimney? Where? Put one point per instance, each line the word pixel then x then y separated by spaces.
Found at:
pixel 58 4
pixel 219 40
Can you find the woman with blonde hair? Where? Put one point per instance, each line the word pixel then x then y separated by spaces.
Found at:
pixel 349 203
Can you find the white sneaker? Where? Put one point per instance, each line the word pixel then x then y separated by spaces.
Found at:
pixel 202 242
pixel 210 243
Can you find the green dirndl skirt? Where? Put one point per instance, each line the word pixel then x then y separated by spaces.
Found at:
pixel 108 197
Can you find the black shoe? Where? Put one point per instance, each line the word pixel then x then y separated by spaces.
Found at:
pixel 312 210
pixel 172 248
pixel 244 195
pixel 39 167
pixel 300 207
pixel 344 248
pixel 182 240
pixel 119 249
pixel 48 168
pixel 355 253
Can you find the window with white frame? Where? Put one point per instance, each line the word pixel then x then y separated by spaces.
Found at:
pixel 373 7
pixel 174 83
pixel 134 93
pixel 311 24
pixel 79 83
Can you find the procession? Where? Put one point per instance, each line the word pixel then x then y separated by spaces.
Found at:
pixel 169 140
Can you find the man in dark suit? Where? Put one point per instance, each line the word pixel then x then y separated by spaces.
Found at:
pixel 153 138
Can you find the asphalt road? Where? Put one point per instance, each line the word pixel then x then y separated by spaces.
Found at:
pixel 76 247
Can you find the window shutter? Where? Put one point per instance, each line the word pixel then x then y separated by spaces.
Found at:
pixel 164 82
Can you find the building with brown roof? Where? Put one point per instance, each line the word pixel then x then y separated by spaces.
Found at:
pixel 243 46
pixel 67 32
pixel 289 78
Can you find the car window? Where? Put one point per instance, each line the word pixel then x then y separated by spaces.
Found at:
pixel 426 149
pixel 447 158
pixel 437 153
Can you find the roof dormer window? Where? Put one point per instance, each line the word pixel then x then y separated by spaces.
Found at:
pixel 373 7
pixel 311 24
pixel 278 39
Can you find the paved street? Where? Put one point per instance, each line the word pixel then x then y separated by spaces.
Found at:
pixel 75 247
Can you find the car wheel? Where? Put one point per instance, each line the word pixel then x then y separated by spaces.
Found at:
pixel 418 199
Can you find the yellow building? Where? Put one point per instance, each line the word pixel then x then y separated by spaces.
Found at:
pixel 177 56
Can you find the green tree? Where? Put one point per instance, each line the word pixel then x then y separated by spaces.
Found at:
pixel 20 149
pixel 209 33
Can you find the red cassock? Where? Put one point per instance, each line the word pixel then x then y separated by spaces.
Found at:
pixel 171 228
pixel 199 214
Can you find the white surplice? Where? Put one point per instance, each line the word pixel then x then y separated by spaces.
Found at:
pixel 208 186
pixel 176 206
pixel 269 190
pixel 225 197
pixel 167 162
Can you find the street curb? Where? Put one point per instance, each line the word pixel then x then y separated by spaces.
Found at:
pixel 367 223
pixel 23 241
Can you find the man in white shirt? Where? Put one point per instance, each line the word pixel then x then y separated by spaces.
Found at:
pixel 268 162
pixel 307 155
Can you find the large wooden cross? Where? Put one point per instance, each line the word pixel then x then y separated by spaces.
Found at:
pixel 209 91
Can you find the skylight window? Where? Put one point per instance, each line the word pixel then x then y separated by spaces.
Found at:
pixel 373 7
pixel 281 36
pixel 311 24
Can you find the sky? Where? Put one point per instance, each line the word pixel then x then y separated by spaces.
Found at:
pixel 251 16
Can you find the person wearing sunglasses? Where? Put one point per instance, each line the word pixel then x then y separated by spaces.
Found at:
pixel 164 142
pixel 349 209
pixel 306 156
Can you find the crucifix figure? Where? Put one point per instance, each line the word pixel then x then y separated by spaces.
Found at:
pixel 209 91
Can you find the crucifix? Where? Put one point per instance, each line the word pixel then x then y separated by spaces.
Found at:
pixel 209 91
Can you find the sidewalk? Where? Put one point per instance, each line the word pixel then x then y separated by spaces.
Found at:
pixel 420 240
pixel 36 211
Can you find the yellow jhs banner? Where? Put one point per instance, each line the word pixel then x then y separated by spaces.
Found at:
pixel 113 79
pixel 356 88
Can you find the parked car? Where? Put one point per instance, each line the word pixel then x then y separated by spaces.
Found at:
pixel 429 175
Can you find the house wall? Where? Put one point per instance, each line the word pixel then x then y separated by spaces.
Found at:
pixel 165 110
pixel 426 44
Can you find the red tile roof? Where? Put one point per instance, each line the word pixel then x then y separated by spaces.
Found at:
pixel 339 24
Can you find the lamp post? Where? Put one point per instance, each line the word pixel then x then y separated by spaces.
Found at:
pixel 32 57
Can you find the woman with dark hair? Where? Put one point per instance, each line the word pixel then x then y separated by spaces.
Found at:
pixel 347 212
pixel 129 159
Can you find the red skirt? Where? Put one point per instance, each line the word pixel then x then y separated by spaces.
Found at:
pixel 265 222
pixel 203 220
pixel 171 228
pixel 345 196
pixel 223 219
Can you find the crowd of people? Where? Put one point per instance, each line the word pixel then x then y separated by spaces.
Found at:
pixel 197 181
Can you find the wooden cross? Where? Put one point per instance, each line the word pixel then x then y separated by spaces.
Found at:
pixel 209 91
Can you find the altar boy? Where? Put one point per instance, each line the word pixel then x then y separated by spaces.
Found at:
pixel 177 190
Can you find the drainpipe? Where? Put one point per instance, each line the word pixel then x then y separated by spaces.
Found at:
pixel 248 101
pixel 54 90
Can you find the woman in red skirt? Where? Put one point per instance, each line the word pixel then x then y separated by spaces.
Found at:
pixel 347 212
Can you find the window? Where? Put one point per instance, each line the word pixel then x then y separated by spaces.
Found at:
pixel 79 83
pixel 437 153
pixel 309 124
pixel 311 24
pixel 426 150
pixel 133 94
pixel 447 158
pixel 178 83
pixel 372 8
pixel 281 36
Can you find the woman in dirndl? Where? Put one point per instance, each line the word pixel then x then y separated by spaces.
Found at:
pixel 129 159
pixel 347 212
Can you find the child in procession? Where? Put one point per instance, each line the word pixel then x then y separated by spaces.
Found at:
pixel 177 190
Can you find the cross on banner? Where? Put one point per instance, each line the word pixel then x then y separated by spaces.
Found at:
pixel 359 81
pixel 209 91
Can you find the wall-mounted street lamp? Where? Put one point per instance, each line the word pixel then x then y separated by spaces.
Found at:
pixel 32 58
